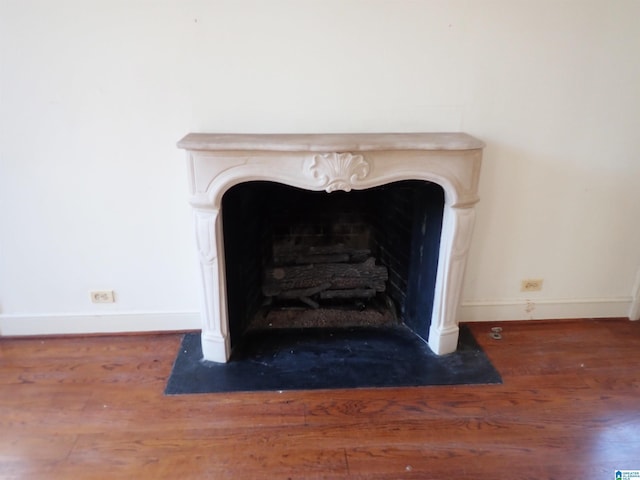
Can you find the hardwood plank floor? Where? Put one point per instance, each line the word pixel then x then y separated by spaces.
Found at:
pixel 93 408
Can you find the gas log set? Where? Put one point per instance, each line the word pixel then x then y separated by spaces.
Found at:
pixel 315 274
pixel 322 286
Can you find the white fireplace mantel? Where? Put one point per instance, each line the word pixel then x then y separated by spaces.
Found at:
pixel 331 162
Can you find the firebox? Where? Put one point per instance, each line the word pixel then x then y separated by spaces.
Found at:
pixel 331 230
pixel 304 259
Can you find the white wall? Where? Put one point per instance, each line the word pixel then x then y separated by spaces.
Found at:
pixel 94 95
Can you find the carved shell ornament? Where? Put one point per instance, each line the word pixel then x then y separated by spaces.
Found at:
pixel 338 171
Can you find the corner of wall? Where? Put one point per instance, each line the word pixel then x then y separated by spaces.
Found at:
pixel 634 310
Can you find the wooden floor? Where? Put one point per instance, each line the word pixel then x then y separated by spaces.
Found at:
pixel 84 408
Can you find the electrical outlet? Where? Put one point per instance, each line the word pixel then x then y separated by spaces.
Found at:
pixel 102 296
pixel 531 285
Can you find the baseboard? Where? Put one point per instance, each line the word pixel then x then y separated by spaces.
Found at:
pixel 469 311
pixel 77 324
pixel 480 311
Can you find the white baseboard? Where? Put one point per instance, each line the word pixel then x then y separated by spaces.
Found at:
pixel 488 311
pixel 469 311
pixel 77 324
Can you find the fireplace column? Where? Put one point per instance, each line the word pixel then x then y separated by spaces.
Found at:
pixel 457 226
pixel 213 300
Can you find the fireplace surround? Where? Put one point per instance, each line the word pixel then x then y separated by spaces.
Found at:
pixel 331 163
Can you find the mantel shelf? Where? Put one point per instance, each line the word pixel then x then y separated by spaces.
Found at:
pixel 335 142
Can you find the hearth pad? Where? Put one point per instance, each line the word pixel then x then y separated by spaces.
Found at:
pixel 314 358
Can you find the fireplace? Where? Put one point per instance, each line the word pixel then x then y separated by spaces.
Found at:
pixel 344 229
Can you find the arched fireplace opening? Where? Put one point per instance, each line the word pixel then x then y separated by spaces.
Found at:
pixel 296 258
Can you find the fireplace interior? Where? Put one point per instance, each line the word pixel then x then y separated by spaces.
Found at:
pixel 304 259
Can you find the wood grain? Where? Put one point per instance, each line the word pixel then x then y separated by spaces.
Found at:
pixel 94 408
